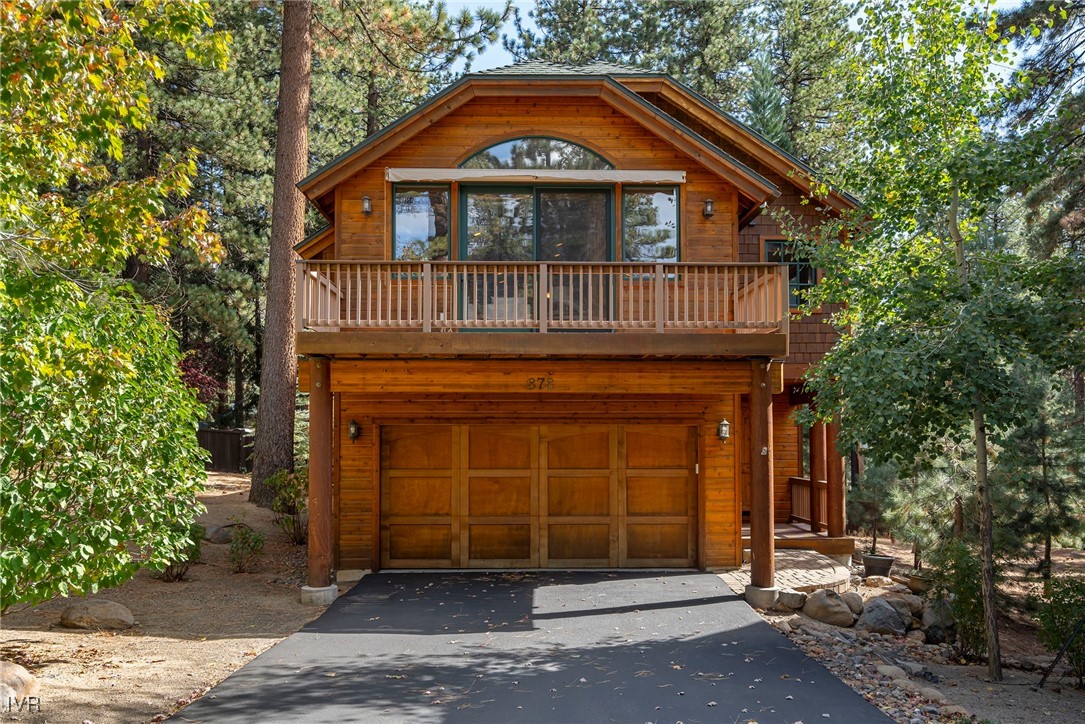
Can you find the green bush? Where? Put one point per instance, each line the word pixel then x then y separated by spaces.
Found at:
pixel 188 556
pixel 1060 616
pixel 956 569
pixel 245 545
pixel 290 491
pixel 99 464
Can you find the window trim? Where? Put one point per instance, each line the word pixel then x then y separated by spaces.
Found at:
pixel 395 188
pixel 677 217
pixel 793 303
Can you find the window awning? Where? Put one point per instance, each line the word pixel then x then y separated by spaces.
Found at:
pixel 447 175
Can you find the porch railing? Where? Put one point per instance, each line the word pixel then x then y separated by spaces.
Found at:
pixel 802 492
pixel 541 297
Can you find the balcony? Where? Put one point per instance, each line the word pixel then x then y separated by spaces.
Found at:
pixel 717 309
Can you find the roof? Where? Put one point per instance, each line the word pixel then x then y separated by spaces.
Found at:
pixel 610 75
pixel 546 68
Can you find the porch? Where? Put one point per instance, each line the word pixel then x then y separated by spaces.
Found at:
pixel 798 536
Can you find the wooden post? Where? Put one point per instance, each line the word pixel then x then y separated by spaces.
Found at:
pixel 320 472
pixel 762 545
pixel 817 473
pixel 835 478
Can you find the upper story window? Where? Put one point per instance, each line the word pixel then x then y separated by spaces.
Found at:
pixel 800 274
pixel 420 231
pixel 538 152
pixel 650 224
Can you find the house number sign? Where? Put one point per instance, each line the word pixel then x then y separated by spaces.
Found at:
pixel 540 383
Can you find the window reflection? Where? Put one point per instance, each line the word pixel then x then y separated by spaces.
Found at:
pixel 500 225
pixel 650 225
pixel 421 223
pixel 537 152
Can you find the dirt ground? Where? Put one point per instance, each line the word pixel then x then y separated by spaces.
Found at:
pixel 189 635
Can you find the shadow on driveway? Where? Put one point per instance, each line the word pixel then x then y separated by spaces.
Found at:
pixel 535 647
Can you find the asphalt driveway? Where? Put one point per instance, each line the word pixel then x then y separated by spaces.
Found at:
pixel 535 647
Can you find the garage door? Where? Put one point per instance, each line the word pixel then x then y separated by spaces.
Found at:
pixel 537 496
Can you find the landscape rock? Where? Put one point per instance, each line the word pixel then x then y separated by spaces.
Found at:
pixel 893 672
pixel 937 635
pixel 902 608
pixel 16 682
pixel 877 581
pixel 97 613
pixel 938 613
pixel 792 599
pixel 929 692
pixel 915 603
pixel 219 534
pixel 828 607
pixel 952 710
pixel 880 617
pixel 917 637
pixel 782 626
pixel 854 601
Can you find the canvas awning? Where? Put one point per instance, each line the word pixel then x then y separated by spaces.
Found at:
pixel 448 175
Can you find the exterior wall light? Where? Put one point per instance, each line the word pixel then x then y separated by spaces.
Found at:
pixel 353 430
pixel 724 430
pixel 709 208
pixel 367 205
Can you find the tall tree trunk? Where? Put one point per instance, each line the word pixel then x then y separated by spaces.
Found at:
pixel 274 448
pixel 987 538
pixel 239 388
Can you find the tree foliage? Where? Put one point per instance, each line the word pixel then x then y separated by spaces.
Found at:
pixel 99 465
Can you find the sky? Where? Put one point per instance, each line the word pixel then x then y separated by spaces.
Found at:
pixel 494 55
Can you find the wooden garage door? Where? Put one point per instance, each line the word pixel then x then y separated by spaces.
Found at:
pixel 527 496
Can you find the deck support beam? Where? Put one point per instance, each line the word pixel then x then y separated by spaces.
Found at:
pixel 817 473
pixel 762 546
pixel 835 477
pixel 320 473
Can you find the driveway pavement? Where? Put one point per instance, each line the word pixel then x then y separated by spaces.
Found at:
pixel 535 647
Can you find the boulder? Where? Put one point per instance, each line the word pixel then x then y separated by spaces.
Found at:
pixel 953 711
pixel 854 601
pixel 97 613
pixel 916 637
pixel 901 607
pixel 790 598
pixel 877 581
pixel 938 613
pixel 915 603
pixel 936 635
pixel 929 692
pixel 827 606
pixel 782 626
pixel 16 682
pixel 219 534
pixel 893 672
pixel 880 617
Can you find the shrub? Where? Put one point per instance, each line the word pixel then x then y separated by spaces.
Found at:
pixel 245 545
pixel 187 557
pixel 1060 616
pixel 956 569
pixel 290 499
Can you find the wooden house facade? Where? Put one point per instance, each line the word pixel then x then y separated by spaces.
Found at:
pixel 547 325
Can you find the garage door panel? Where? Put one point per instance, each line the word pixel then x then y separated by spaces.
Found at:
pixel 414 495
pixel 658 495
pixel 578 495
pixel 421 447
pixel 496 496
pixel 420 542
pixel 657 447
pixel 500 544
pixel 657 541
pixel 578 447
pixel 579 541
pixel 493 447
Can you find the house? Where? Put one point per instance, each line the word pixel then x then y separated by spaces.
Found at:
pixel 547 325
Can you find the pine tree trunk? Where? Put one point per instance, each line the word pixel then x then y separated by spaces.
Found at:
pixel 990 611
pixel 274 447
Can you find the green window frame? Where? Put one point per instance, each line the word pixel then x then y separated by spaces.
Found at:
pixel 800 272
pixel 628 191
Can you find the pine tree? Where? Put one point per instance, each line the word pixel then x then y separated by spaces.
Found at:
pixel 765 104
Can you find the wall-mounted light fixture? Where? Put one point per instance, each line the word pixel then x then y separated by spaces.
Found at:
pixel 723 430
pixel 367 205
pixel 353 430
pixel 709 208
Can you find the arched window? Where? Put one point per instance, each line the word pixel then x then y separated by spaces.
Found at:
pixel 538 152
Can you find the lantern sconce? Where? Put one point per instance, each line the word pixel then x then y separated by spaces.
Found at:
pixel 353 430
pixel 709 208
pixel 723 431
pixel 367 205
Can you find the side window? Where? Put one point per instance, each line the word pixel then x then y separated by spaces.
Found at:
pixel 800 275
pixel 420 230
pixel 650 224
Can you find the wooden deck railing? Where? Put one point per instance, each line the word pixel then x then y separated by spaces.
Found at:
pixel 801 500
pixel 531 296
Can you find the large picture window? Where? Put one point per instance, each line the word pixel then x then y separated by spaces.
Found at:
pixel 420 226
pixel 800 274
pixel 650 225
